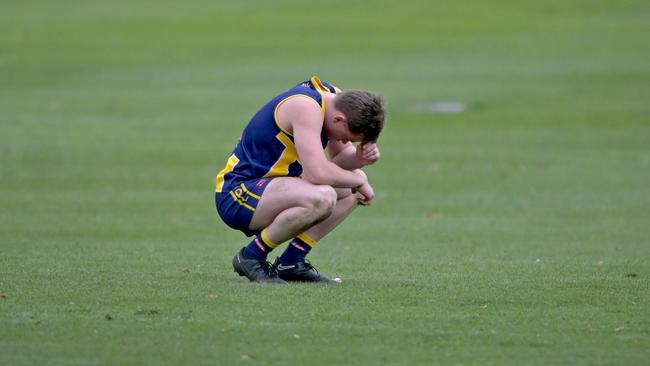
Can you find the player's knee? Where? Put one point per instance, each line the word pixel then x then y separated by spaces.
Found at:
pixel 327 199
pixel 324 202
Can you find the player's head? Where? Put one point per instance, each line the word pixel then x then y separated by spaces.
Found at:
pixel 363 111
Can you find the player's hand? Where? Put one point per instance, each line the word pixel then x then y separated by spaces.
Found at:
pixel 367 153
pixel 365 194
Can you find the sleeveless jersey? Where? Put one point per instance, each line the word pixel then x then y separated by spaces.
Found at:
pixel 265 149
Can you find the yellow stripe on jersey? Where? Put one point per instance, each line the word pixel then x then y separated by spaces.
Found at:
pixel 241 201
pixel 315 80
pixel 320 88
pixel 230 165
pixel 288 157
pixel 250 193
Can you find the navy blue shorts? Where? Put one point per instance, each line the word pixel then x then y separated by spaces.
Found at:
pixel 237 206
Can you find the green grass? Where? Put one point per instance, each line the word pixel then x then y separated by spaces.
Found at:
pixel 515 232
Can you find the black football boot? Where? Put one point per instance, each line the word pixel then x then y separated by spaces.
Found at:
pixel 300 272
pixel 255 270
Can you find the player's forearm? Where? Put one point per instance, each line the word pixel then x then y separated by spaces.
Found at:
pixel 333 175
pixel 347 160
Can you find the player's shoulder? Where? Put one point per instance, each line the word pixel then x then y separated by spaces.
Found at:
pixel 304 101
pixel 298 110
pixel 299 96
pixel 300 102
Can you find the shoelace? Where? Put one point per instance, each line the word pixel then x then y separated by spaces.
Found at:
pixel 268 268
pixel 309 266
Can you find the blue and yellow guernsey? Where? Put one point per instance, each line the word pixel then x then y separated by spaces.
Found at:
pixel 265 149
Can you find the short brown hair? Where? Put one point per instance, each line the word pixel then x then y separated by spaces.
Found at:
pixel 364 111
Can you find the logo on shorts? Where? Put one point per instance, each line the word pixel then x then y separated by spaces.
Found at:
pixel 240 194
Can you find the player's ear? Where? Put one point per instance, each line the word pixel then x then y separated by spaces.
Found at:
pixel 340 117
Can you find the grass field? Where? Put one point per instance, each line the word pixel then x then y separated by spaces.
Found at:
pixel 514 232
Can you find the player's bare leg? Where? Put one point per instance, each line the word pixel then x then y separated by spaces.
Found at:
pixel 290 206
pixel 346 203
pixel 293 207
pixel 291 265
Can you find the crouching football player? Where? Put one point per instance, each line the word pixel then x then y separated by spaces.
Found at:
pixel 279 185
